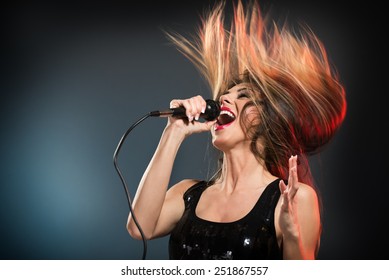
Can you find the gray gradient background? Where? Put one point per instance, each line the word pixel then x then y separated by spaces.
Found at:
pixel 76 76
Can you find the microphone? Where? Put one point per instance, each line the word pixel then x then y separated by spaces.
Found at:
pixel 212 111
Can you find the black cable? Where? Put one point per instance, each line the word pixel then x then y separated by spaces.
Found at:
pixel 115 155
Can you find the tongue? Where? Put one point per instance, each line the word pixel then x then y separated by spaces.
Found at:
pixel 224 119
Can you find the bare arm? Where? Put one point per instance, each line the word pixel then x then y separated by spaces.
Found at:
pixel 156 209
pixel 299 217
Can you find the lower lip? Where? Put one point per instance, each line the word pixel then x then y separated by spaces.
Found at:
pixel 223 126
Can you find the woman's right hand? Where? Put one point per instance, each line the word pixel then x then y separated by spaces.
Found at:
pixel 193 108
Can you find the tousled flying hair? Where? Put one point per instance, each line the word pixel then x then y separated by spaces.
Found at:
pixel 300 100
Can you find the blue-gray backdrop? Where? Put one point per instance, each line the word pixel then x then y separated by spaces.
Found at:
pixel 77 75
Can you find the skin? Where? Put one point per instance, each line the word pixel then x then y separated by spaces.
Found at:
pixel 297 218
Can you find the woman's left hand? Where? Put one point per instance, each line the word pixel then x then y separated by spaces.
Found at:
pixel 288 215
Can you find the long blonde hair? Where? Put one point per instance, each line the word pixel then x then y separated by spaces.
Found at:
pixel 300 100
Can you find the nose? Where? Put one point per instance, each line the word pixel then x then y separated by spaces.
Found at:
pixel 225 98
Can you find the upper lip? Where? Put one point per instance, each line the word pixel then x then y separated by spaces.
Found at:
pixel 226 111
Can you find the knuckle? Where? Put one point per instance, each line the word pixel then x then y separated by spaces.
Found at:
pixel 173 102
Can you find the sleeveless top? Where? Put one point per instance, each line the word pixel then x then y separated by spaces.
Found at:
pixel 251 237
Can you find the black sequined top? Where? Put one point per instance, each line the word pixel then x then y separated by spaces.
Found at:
pixel 251 237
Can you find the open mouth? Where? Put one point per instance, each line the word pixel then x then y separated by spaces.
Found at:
pixel 226 117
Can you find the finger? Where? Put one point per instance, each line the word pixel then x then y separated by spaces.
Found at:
pixel 203 105
pixel 284 195
pixel 282 186
pixel 175 103
pixel 198 106
pixel 290 177
pixel 193 108
pixel 292 161
pixel 188 108
pixel 293 183
pixel 295 166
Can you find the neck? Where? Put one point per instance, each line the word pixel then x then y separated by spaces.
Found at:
pixel 243 170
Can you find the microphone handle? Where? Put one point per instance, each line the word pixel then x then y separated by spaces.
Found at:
pixel 178 112
pixel 175 112
pixel 211 112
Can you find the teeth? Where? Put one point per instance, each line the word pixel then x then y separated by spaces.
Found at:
pixel 227 113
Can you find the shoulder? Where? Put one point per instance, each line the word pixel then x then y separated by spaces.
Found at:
pixel 308 201
pixel 180 188
pixel 306 193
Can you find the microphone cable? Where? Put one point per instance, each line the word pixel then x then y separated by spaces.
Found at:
pixel 212 111
pixel 115 156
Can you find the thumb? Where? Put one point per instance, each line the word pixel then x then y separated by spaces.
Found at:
pixel 206 126
pixel 282 186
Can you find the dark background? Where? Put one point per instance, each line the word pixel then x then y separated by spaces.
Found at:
pixel 76 75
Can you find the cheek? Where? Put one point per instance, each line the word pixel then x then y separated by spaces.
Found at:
pixel 251 117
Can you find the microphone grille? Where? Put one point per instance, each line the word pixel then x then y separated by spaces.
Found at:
pixel 212 111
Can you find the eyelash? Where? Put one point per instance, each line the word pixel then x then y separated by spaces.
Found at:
pixel 243 95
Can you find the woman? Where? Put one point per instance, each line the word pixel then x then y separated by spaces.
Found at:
pixel 280 102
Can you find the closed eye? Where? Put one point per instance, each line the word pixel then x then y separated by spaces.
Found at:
pixel 243 95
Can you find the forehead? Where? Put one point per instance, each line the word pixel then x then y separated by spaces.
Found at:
pixel 238 87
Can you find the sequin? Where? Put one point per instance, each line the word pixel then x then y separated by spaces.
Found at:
pixel 252 237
